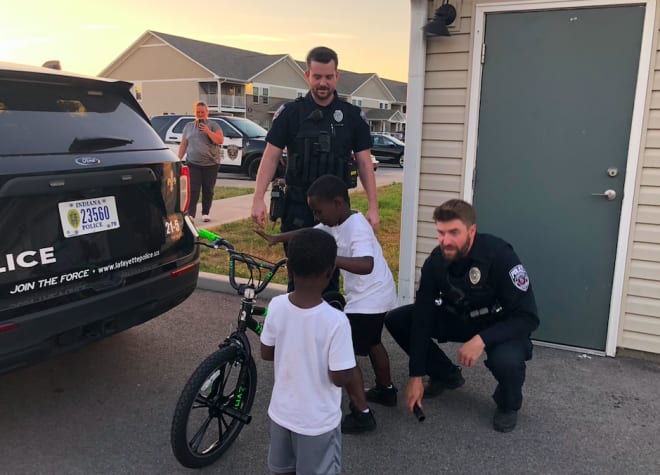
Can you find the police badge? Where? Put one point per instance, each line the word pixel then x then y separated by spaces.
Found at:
pixel 232 152
pixel 338 115
pixel 519 277
pixel 475 275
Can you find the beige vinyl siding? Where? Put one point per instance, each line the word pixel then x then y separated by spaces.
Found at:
pixel 282 73
pixel 640 325
pixel 372 93
pixel 157 62
pixel 159 97
pixel 152 40
pixel 443 128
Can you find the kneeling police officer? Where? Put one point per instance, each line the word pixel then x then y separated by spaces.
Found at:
pixel 473 289
pixel 321 134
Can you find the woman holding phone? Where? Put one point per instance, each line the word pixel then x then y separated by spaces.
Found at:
pixel 200 144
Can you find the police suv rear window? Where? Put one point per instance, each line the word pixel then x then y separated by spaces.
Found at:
pixel 41 118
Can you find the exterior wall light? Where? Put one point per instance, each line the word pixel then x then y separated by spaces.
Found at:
pixel 444 16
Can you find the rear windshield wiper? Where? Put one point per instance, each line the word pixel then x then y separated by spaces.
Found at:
pixel 97 143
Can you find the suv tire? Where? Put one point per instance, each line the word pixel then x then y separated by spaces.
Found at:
pixel 253 167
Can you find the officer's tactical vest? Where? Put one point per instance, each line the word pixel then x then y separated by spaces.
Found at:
pixel 322 145
pixel 469 300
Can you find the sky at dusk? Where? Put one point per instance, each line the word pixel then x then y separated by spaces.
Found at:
pixel 86 36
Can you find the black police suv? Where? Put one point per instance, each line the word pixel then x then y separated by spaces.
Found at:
pixel 92 207
pixel 242 148
pixel 388 149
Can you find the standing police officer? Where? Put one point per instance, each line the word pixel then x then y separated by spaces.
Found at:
pixel 473 289
pixel 321 133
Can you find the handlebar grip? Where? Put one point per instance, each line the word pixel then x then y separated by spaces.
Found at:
pixel 419 414
pixel 260 311
pixel 208 235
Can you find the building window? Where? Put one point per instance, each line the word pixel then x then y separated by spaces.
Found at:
pixel 266 124
pixel 265 95
pixel 357 102
pixel 209 93
pixel 300 94
pixel 384 105
pixel 255 95
pixel 137 89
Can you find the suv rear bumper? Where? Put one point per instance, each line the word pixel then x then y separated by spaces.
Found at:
pixel 66 327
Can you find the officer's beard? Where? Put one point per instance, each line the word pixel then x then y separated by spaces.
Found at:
pixel 458 253
pixel 322 93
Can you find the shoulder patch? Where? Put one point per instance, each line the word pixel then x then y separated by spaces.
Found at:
pixel 363 116
pixel 279 111
pixel 519 277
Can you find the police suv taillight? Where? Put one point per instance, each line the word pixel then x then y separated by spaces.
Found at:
pixel 184 188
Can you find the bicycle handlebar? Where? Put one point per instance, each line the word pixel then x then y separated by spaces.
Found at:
pixel 252 262
pixel 218 241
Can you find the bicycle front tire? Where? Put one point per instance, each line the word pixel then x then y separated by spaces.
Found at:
pixel 213 407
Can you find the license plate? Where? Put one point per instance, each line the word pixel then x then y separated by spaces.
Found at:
pixel 88 216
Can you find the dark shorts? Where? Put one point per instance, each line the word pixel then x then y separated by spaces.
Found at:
pixel 366 329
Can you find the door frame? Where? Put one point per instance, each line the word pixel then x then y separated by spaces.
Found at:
pixel 636 130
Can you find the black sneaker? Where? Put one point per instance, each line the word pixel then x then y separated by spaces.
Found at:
pixel 504 421
pixel 382 395
pixel 357 422
pixel 453 380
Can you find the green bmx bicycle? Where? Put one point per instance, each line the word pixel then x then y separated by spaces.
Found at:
pixel 215 402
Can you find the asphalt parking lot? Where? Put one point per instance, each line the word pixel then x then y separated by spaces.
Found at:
pixel 107 408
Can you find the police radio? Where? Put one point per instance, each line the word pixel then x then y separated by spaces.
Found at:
pixel 277 192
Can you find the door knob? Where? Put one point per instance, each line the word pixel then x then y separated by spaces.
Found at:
pixel 609 194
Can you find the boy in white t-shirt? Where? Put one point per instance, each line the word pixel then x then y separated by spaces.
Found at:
pixel 310 343
pixel 370 292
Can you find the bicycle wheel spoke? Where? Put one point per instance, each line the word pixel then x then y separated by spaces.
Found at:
pixel 199 435
pixel 228 372
pixel 222 426
pixel 200 402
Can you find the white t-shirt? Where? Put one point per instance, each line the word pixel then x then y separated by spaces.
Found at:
pixel 369 293
pixel 308 343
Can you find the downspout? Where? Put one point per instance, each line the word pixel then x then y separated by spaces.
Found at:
pixel 413 151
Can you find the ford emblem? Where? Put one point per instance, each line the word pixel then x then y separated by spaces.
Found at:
pixel 87 161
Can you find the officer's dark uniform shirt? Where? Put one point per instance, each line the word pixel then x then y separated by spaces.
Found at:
pixel 497 298
pixel 343 123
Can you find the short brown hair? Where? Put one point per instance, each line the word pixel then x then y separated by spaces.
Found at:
pixel 455 209
pixel 321 54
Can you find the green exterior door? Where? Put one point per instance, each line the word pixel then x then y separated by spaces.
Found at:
pixel 556 108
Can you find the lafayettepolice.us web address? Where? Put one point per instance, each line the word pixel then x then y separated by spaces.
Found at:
pixel 127 262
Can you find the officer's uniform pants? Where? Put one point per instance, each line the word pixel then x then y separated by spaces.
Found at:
pixel 506 360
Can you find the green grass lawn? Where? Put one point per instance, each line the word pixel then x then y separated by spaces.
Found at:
pixel 241 234
pixel 222 192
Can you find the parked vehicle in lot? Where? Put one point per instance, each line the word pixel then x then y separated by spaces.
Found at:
pixel 388 149
pixel 92 207
pixel 242 149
